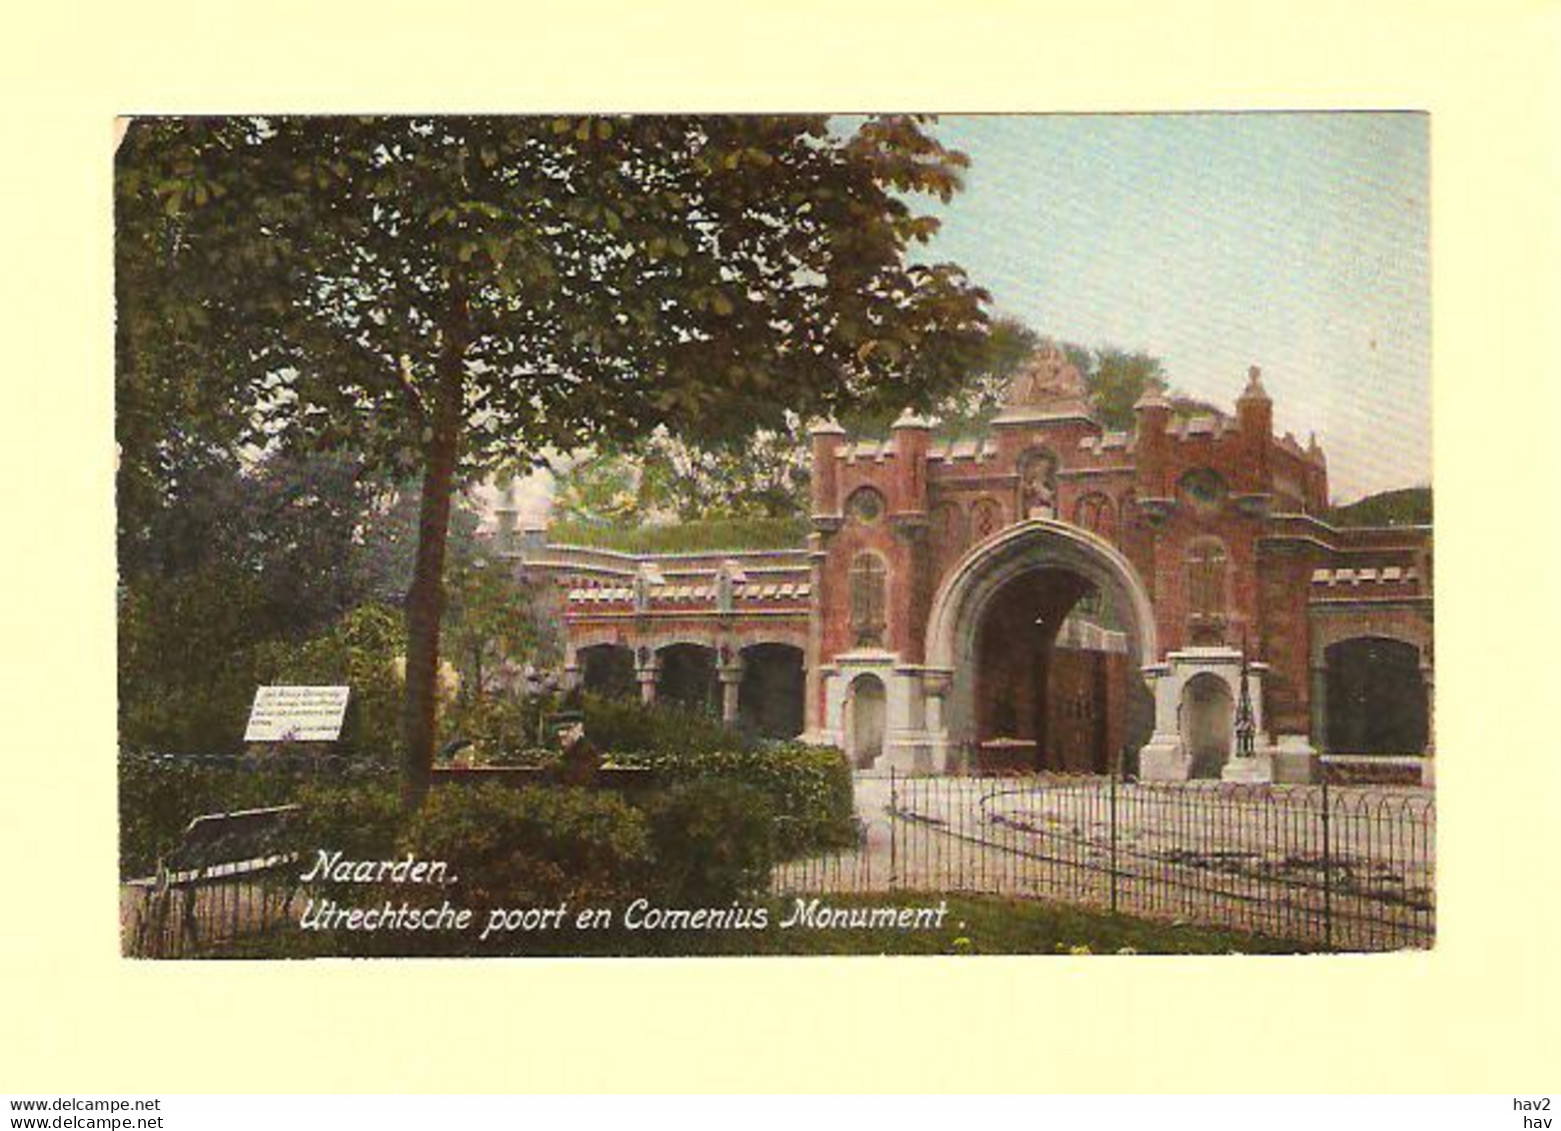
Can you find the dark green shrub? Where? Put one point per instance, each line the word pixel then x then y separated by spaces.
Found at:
pixel 808 787
pixel 714 842
pixel 188 660
pixel 360 819
pixel 494 724
pixel 615 725
pixel 511 847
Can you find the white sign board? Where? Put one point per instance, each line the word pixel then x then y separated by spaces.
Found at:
pixel 297 714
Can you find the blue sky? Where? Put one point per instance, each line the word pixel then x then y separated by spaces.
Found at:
pixel 1297 242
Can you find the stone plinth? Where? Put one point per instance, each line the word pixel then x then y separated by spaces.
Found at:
pixel 1258 768
pixel 1164 759
pixel 1295 761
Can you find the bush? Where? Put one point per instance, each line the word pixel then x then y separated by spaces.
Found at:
pixel 617 725
pixel 497 725
pixel 159 798
pixel 714 841
pixel 360 651
pixel 808 788
pixel 187 660
pixel 534 846
pixel 362 820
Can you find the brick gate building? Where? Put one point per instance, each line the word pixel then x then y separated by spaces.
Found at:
pixel 1050 595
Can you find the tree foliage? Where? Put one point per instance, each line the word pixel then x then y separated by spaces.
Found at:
pixel 443 296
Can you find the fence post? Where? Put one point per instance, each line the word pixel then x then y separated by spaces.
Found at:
pixel 1327 869
pixel 894 828
pixel 1113 822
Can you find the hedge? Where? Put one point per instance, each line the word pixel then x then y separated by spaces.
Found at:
pixel 808 787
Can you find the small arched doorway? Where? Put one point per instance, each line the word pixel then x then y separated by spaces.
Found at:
pixel 866 716
pixel 1208 714
pixel 1376 697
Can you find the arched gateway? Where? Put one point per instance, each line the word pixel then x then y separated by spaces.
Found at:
pixel 997 588
pixel 1058 564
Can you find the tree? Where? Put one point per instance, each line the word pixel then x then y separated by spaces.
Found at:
pixel 1116 379
pixel 451 295
pixel 492 620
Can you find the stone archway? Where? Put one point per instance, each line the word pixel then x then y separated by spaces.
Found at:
pixel 985 571
pixel 1208 713
pixel 866 719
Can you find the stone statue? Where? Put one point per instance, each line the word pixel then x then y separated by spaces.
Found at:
pixel 1040 486
pixel 1047 380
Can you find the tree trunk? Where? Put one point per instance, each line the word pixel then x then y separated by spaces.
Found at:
pixel 425 600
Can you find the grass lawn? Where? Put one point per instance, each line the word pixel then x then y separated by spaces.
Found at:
pixel 971 925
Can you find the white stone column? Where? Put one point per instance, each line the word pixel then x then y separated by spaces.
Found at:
pixel 1163 757
pixel 646 673
pixel 731 675
pixel 935 688
pixel 1428 767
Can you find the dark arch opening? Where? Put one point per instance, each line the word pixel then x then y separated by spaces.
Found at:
pixel 771 695
pixel 608 670
pixel 1050 690
pixel 1376 697
pixel 688 679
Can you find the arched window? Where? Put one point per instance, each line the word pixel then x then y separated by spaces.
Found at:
pixel 1206 584
pixel 869 600
pixel 1095 512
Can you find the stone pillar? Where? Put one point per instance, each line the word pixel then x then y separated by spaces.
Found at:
pixel 646 668
pixel 731 676
pixel 1319 706
pixel 573 675
pixel 935 688
pixel 1428 767
pixel 1164 758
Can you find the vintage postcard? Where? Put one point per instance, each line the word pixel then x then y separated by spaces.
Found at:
pixel 774 535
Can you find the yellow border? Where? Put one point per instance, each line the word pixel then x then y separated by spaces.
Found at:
pixel 1477 1014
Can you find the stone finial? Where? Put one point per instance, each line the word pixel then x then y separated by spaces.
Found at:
pixel 1254 389
pixel 825 426
pixel 909 419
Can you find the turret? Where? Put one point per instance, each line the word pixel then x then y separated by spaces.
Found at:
pixel 1255 420
pixel 1154 418
pixel 1254 409
pixel 826 437
pixel 912 436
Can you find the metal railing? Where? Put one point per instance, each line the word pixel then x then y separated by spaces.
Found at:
pixel 1324 867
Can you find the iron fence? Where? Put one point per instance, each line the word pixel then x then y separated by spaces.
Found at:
pixel 1326 867
pixel 193 913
